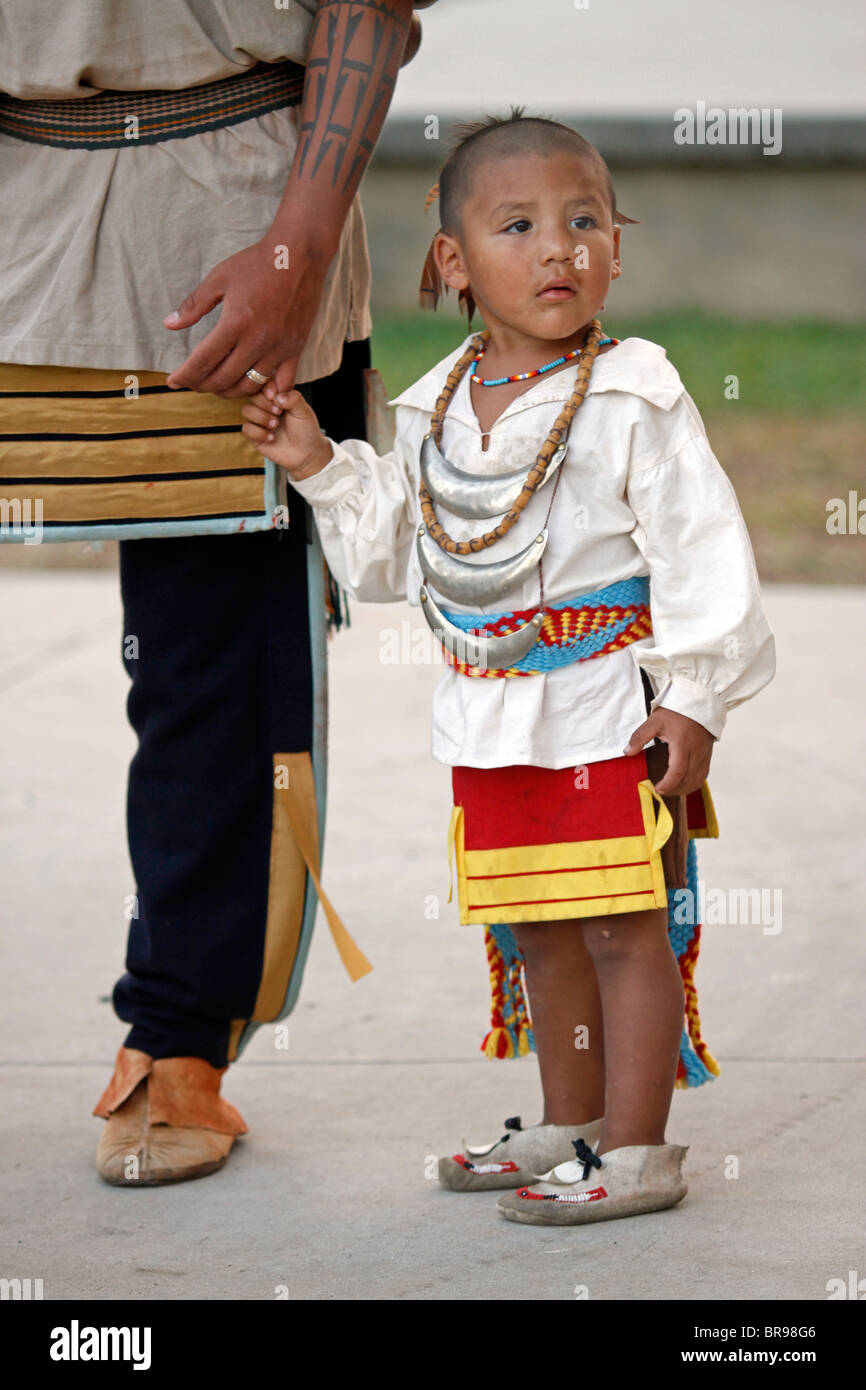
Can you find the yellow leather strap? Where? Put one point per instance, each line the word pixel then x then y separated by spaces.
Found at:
pixel 294 798
pixel 456 813
pixel 664 822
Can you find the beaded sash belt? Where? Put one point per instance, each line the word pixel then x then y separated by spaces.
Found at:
pixel 579 629
pixel 114 120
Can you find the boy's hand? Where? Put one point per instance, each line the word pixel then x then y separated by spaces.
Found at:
pixel 286 430
pixel 690 747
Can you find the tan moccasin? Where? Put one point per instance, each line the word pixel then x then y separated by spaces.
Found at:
pixel 165 1121
pixel 516 1158
pixel 621 1182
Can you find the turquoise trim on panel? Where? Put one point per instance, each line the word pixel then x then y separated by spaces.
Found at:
pixel 148 530
pixel 319 755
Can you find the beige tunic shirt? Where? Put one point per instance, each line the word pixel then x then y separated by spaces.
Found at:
pixel 99 245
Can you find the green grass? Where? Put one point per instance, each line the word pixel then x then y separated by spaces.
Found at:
pixel 785 368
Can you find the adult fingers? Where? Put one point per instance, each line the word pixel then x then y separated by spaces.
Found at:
pixel 203 298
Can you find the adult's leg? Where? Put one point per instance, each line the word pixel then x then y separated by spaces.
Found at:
pixel 221 680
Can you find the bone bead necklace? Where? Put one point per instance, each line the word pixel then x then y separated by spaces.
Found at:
pixel 553 444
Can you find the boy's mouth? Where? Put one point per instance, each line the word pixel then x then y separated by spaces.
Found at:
pixel 557 289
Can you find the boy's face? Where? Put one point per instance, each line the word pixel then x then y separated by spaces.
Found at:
pixel 531 220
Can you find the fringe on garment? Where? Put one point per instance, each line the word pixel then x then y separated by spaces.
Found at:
pixel 336 603
pixel 511 1033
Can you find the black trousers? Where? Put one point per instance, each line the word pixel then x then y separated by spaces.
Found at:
pixel 221 680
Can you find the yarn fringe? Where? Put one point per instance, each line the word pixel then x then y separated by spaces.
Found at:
pixel 696 1063
pixel 511 1033
pixel 336 603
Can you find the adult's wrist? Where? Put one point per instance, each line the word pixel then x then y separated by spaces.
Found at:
pixel 311 240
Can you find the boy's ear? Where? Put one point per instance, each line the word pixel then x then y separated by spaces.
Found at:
pixel 444 270
pixel 449 260
pixel 616 263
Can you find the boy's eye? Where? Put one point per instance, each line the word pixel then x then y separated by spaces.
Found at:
pixel 583 219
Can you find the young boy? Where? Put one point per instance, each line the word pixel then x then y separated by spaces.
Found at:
pixel 615 603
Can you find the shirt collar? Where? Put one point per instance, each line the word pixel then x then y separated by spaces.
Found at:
pixel 636 366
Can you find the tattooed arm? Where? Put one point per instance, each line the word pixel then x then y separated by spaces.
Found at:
pixel 354 55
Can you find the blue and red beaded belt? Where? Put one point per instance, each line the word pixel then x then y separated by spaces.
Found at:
pixel 117 120
pixel 578 629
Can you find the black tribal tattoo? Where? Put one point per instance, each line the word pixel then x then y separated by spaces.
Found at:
pixel 352 65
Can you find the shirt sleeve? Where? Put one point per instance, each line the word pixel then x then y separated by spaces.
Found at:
pixel 712 647
pixel 364 506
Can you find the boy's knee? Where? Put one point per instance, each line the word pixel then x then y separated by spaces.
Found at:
pixel 548 942
pixel 608 940
pixel 534 944
pixel 616 938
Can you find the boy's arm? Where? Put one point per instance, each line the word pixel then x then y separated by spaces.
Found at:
pixel 712 647
pixel 364 503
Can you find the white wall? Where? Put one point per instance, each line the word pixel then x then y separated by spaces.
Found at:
pixel 646 56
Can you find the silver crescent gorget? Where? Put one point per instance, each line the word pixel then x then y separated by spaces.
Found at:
pixel 462 582
pixel 457 578
pixel 468 495
pixel 486 653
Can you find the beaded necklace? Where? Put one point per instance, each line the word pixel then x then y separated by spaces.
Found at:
pixel 536 371
pixel 534 477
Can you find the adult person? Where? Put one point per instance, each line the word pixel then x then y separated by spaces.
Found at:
pixel 181 225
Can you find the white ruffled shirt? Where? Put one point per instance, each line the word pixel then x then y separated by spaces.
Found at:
pixel 641 493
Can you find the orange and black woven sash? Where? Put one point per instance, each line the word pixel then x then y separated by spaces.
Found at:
pixel 116 120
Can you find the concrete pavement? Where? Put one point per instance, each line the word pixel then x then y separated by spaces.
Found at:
pixel 327 1197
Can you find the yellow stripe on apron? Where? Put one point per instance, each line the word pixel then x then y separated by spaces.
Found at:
pixel 88 453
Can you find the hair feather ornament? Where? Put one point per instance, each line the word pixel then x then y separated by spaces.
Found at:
pixel 432 286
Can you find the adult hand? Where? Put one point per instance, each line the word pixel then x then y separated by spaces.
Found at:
pixel 690 747
pixel 270 293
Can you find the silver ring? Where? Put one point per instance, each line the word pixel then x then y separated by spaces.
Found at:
pixel 256 376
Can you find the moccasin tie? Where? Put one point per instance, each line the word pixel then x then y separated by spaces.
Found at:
pixel 585 1156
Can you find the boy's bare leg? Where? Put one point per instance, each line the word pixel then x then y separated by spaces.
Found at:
pixel 564 998
pixel 642 1006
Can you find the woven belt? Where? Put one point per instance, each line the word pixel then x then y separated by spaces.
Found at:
pixel 577 630
pixel 115 120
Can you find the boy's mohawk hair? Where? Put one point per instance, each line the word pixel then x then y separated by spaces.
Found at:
pixel 453 182
pixel 464 130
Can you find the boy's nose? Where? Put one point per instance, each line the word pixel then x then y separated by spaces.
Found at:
pixel 560 247
pixel 562 263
